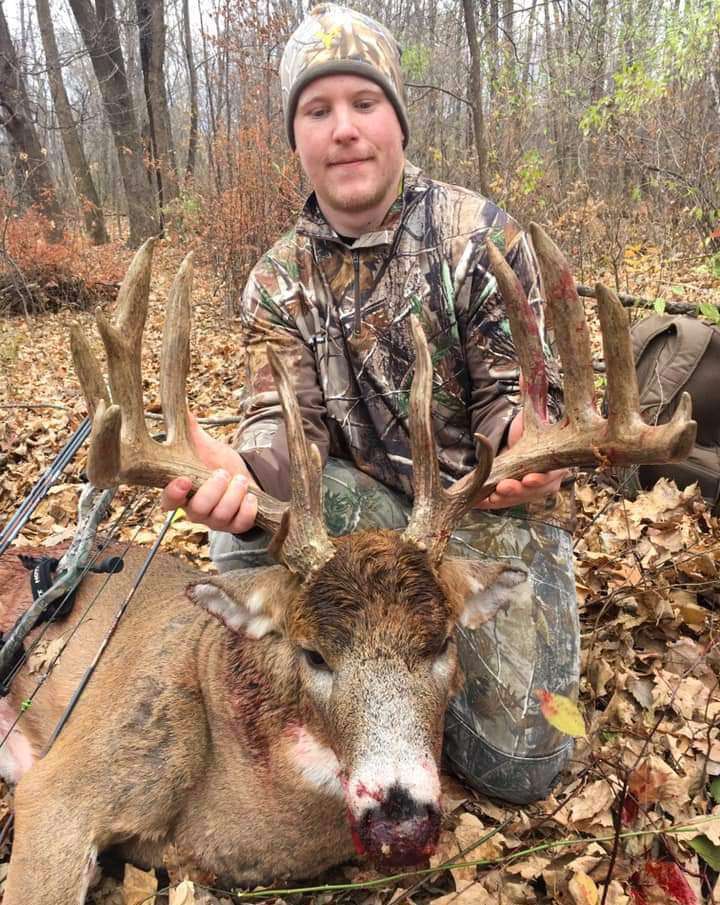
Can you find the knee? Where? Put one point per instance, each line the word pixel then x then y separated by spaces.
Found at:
pixel 517 779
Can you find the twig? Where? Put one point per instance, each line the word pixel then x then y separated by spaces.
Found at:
pixel 637 301
pixel 155 416
pixel 215 422
pixel 33 405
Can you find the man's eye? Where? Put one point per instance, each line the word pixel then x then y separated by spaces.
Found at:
pixel 365 105
pixel 317 113
pixel 315 659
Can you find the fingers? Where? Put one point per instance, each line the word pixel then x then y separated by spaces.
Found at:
pixel 221 503
pixel 531 488
pixel 175 493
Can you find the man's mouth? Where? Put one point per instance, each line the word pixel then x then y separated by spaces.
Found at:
pixel 349 163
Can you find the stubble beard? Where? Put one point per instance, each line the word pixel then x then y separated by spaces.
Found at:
pixel 358 200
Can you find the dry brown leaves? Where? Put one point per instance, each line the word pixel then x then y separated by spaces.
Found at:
pixel 648 591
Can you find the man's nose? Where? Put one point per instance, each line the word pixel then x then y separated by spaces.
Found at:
pixel 345 128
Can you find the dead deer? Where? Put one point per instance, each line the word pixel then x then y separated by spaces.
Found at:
pixel 269 723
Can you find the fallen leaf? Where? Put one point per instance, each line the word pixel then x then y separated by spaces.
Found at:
pixel 561 713
pixel 183 894
pixel 583 890
pixel 139 886
pixel 670 878
pixel 44 653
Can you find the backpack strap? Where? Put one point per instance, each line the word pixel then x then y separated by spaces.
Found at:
pixel 693 338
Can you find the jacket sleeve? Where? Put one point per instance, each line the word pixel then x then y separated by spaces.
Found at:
pixel 269 308
pixel 489 350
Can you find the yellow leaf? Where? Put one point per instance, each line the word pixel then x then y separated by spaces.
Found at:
pixel 184 894
pixel 139 886
pixel 561 713
pixel 583 889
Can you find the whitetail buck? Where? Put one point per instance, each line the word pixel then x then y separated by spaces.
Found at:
pixel 271 722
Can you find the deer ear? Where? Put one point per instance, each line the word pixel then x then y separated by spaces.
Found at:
pixel 245 603
pixel 488 588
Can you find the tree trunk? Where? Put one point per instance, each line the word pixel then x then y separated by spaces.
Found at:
pixel 476 91
pixel 192 78
pixel 212 134
pixel 84 185
pixel 99 30
pixel 31 164
pixel 151 28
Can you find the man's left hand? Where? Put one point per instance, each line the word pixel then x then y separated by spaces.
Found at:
pixel 530 488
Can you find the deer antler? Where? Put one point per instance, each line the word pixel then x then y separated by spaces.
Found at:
pixel 583 437
pixel 121 449
pixel 436 510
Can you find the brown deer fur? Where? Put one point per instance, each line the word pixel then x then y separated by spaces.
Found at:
pixel 219 735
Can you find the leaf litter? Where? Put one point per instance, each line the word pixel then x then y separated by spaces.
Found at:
pixel 641 799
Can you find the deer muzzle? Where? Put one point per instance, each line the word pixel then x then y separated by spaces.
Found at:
pixel 399 831
pixel 392 731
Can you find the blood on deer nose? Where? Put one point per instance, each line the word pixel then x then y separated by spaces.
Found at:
pixel 399 831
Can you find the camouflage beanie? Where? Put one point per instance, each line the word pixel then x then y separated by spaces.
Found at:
pixel 333 39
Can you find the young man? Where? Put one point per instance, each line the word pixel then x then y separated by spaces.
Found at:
pixel 376 242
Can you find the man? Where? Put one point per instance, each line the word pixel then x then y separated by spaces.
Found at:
pixel 376 242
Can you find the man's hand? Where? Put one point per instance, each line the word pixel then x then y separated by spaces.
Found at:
pixel 530 488
pixel 222 502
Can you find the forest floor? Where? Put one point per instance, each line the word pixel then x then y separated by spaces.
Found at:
pixel 641 802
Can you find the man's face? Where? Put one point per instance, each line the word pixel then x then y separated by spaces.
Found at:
pixel 349 141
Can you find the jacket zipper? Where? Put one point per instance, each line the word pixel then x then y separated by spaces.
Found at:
pixel 356 289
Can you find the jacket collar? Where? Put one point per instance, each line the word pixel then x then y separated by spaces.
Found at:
pixel 313 224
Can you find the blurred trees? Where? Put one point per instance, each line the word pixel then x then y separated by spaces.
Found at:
pixel 30 159
pixel 604 105
pixel 90 202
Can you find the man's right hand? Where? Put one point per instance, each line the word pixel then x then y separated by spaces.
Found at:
pixel 223 502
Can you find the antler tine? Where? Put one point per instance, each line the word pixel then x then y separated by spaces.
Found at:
pixel 175 357
pixel 436 511
pixel 302 542
pixel 571 329
pixel 88 370
pixel 121 450
pixel 584 437
pixel 123 342
pixel 669 441
pixel 528 343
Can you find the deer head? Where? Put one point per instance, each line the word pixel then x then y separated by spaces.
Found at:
pixel 359 629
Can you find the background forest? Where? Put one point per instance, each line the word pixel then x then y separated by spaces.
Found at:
pixel 122 118
pixel 600 119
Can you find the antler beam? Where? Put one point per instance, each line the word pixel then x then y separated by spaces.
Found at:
pixel 121 449
pixel 583 437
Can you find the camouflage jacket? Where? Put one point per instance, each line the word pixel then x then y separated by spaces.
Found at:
pixel 339 315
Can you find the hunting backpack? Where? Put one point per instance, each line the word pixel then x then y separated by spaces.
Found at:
pixel 672 355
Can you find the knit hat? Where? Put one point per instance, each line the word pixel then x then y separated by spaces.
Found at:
pixel 333 39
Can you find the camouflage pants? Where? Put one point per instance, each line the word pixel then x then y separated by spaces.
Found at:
pixel 495 736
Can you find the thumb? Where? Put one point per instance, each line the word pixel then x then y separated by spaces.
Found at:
pixel 202 441
pixel 515 430
pixel 211 452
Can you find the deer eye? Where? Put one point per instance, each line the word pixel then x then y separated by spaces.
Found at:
pixel 315 659
pixel 444 646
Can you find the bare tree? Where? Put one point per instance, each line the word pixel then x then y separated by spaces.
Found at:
pixel 151 28
pixel 476 98
pixel 193 88
pixel 99 29
pixel 85 187
pixel 31 163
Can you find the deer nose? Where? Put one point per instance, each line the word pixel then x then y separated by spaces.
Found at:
pixel 400 831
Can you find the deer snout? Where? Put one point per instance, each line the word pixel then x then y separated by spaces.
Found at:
pixel 399 831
